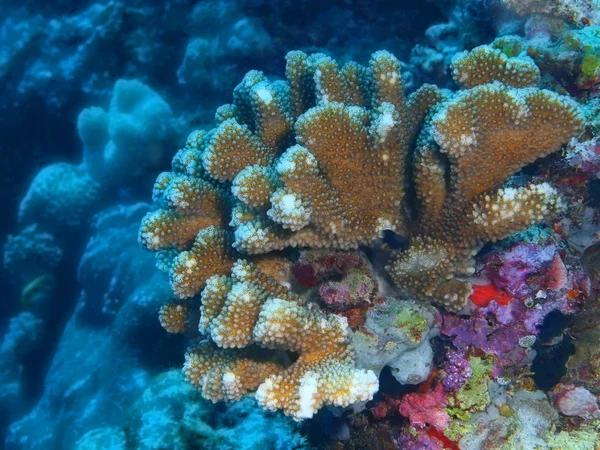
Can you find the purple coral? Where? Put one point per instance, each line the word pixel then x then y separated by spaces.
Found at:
pixel 497 329
pixel 484 332
pixel 458 370
pixel 510 271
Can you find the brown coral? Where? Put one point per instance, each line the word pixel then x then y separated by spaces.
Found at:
pixel 251 308
pixel 485 64
pixel 175 317
pixel 322 160
pixel 474 142
pixel 308 194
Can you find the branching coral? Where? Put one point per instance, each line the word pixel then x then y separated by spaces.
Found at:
pixel 245 309
pixel 473 142
pixel 311 193
pixel 323 159
pixel 485 64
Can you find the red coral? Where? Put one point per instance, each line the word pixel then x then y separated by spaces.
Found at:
pixel 426 409
pixel 483 295
pixel 356 316
pixel 437 434
pixel 304 274
pixel 385 408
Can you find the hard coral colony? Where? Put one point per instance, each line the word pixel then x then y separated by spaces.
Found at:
pixel 330 158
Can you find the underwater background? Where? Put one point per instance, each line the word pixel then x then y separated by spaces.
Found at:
pixel 355 224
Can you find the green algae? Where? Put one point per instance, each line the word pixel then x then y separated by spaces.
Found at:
pixel 474 395
pixel 584 439
pixel 412 323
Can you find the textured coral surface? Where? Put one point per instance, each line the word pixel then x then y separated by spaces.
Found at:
pixel 321 160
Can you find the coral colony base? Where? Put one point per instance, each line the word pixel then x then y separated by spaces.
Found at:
pixel 329 159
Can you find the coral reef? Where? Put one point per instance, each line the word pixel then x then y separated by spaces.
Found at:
pixel 23 332
pixel 32 258
pixel 392 263
pixel 31 252
pixel 252 312
pixel 184 419
pixel 466 24
pixel 129 138
pixel 61 195
pixel 221 34
pixel 114 319
pixel 296 159
pixel 139 126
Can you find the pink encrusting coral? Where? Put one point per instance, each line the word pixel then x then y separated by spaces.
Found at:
pixel 424 409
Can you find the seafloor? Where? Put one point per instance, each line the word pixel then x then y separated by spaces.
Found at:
pixel 355 224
